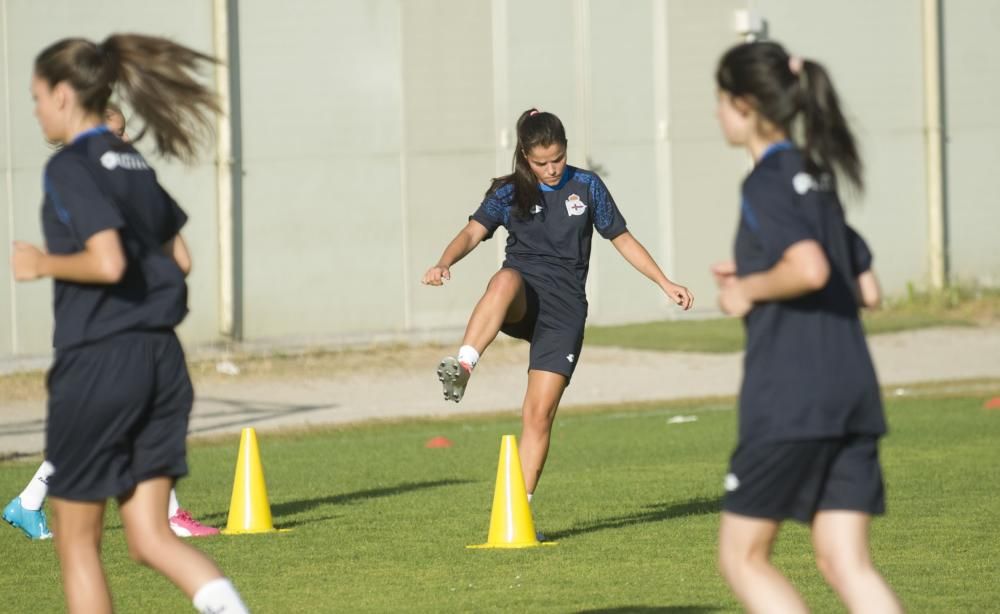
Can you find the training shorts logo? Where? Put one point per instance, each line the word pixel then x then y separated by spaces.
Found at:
pixel 571 357
pixel 575 206
pixel 731 482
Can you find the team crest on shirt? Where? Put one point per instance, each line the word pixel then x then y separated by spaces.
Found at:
pixel 575 206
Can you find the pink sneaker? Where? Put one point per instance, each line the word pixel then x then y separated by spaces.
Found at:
pixel 184 525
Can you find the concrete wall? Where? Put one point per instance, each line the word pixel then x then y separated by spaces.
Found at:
pixel 322 110
pixel 972 127
pixel 883 98
pixel 27 28
pixel 371 128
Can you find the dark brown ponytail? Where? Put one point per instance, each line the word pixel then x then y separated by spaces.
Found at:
pixel 782 88
pixel 155 76
pixel 828 138
pixel 534 128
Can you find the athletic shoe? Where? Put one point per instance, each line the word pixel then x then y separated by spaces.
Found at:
pixel 183 524
pixel 31 522
pixel 453 376
pixel 539 536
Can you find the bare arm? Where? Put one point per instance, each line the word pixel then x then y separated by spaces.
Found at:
pixel 464 242
pixel 871 293
pixel 803 268
pixel 102 261
pixel 177 249
pixel 635 254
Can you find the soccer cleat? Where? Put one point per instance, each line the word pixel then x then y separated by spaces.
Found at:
pixel 31 522
pixel 183 524
pixel 453 376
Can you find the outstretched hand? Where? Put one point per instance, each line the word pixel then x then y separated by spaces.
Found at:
pixel 436 276
pixel 680 295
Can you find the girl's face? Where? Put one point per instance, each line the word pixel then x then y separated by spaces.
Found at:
pixel 736 118
pixel 547 163
pixel 50 105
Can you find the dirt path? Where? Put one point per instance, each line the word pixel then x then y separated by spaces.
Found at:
pixel 360 387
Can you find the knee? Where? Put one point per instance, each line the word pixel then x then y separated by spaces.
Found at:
pixel 729 562
pixel 734 562
pixel 538 418
pixel 828 568
pixel 506 282
pixel 145 549
pixel 838 569
pixel 137 551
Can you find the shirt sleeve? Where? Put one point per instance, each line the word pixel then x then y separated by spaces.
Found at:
pixel 494 211
pixel 81 203
pixel 861 255
pixel 772 211
pixel 608 220
pixel 174 220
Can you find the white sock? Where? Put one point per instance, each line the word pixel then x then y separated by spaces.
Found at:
pixel 173 506
pixel 219 596
pixel 468 355
pixel 34 493
pixel 530 495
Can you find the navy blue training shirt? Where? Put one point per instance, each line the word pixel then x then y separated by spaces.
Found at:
pixel 99 183
pixel 808 373
pixel 553 244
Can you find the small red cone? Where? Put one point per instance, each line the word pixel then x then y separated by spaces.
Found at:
pixel 438 442
pixel 993 403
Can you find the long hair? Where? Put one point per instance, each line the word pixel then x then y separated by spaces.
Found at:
pixel 781 89
pixel 157 77
pixel 534 128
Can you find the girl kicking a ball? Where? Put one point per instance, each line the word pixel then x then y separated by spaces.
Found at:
pixel 550 211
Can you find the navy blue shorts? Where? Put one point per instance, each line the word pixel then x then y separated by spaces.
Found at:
pixel 118 415
pixel 796 479
pixel 553 324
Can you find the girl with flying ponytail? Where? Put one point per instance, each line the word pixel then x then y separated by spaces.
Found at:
pixel 119 391
pixel 810 411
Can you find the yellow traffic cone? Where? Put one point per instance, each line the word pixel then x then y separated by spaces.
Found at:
pixel 511 525
pixel 249 509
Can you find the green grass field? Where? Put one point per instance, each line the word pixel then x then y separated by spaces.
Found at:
pixel 726 334
pixel 379 523
pixel 954 307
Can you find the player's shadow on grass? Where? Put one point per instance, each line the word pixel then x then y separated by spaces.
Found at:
pixel 291 508
pixel 650 609
pixel 653 513
pixel 23 427
pixel 214 414
pixel 246 413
